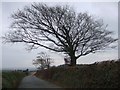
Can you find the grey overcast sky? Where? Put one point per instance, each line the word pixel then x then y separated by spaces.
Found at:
pixel 15 56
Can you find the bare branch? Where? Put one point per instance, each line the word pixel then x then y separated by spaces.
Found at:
pixel 60 26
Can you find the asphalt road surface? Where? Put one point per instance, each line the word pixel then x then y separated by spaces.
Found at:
pixel 34 82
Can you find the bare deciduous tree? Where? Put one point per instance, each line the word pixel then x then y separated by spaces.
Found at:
pixel 42 61
pixel 60 29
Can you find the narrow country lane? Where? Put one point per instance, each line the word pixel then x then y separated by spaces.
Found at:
pixel 34 82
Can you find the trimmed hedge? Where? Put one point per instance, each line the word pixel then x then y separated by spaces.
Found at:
pixel 11 79
pixel 98 75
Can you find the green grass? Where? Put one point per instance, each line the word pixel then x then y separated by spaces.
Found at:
pixel 98 75
pixel 11 79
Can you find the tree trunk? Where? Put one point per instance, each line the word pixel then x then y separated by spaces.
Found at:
pixel 73 61
pixel 48 66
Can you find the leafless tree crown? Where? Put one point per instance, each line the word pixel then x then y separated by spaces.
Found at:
pixel 43 61
pixel 60 29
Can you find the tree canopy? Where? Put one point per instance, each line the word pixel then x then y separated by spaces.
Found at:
pixel 60 29
pixel 42 61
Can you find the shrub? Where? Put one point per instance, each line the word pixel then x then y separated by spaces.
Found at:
pixel 11 79
pixel 98 75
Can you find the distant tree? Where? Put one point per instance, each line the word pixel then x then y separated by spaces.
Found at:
pixel 42 61
pixel 60 29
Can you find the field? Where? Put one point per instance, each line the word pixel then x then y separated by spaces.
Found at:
pixel 97 75
pixel 11 79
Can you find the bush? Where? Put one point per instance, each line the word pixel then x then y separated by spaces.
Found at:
pixel 98 75
pixel 11 79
